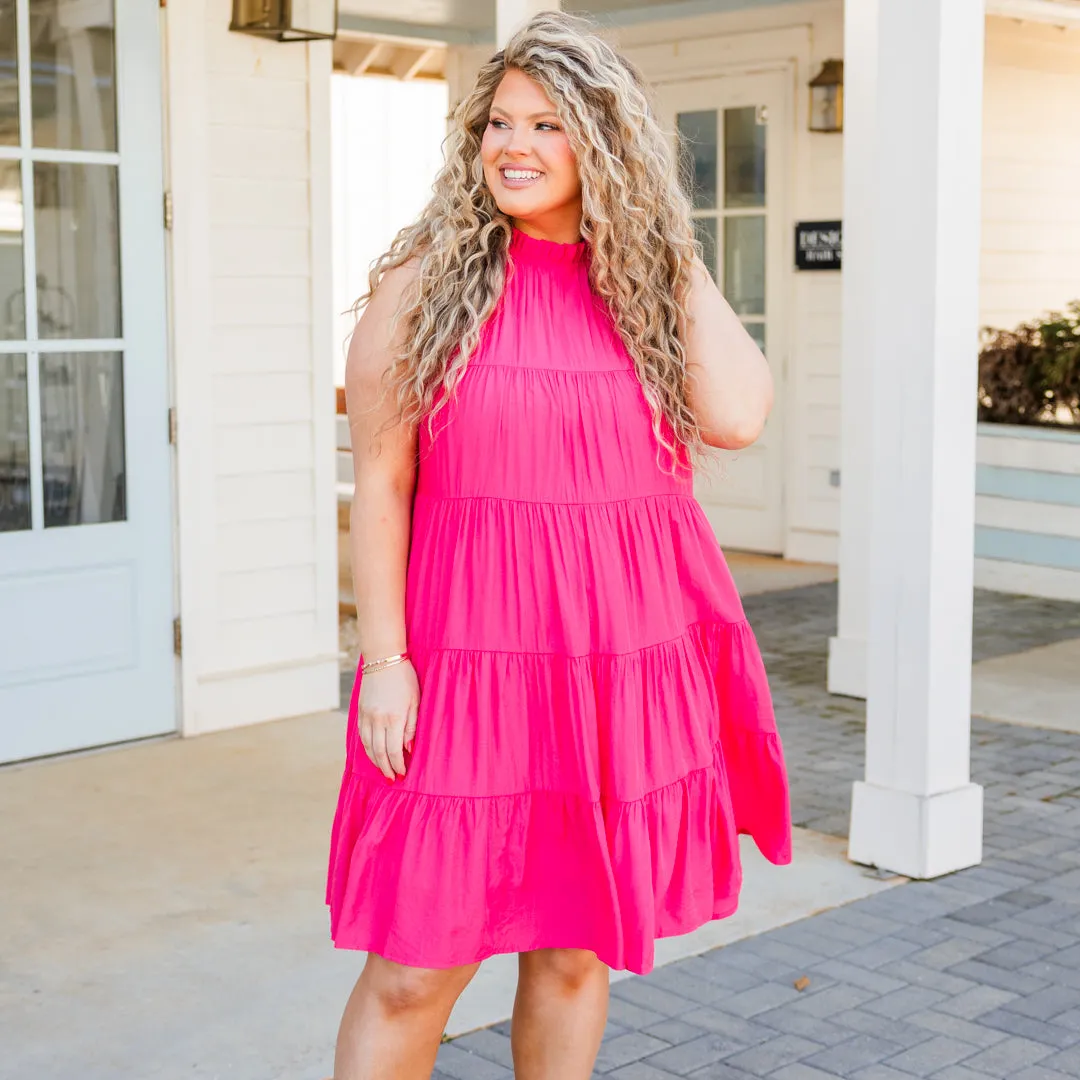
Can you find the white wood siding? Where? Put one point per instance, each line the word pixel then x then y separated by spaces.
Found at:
pixel 252 314
pixel 1031 161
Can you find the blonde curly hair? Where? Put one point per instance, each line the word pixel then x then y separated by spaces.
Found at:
pixel 636 218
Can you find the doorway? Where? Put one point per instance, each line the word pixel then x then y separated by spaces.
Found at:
pixel 86 600
pixel 732 133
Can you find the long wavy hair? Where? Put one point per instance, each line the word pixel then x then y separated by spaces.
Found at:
pixel 636 219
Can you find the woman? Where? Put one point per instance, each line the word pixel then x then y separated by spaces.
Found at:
pixel 561 721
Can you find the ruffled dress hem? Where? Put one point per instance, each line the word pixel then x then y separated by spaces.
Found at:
pixel 438 880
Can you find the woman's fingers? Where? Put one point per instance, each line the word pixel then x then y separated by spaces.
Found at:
pixel 365 726
pixel 395 736
pixel 373 739
pixel 410 727
pixel 382 758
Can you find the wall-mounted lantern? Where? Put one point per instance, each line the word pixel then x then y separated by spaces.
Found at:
pixel 827 97
pixel 286 20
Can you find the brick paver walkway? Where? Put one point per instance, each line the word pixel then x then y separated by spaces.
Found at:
pixel 975 976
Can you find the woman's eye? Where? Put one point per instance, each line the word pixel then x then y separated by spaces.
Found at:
pixel 542 124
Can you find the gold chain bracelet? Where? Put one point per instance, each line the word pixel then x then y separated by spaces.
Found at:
pixel 383 662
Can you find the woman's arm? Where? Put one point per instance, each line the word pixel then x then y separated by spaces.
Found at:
pixel 380 524
pixel 729 385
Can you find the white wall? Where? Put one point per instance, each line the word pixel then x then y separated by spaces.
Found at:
pixel 249 163
pixel 406 120
pixel 1031 171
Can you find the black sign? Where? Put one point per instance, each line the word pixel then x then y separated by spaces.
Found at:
pixel 818 245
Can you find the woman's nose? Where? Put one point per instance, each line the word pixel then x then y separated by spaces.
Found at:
pixel 518 141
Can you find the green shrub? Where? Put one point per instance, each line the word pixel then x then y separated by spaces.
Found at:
pixel 1031 375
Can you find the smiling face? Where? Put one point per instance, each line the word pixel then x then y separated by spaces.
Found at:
pixel 528 164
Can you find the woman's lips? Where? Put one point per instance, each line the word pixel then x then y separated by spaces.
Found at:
pixel 516 182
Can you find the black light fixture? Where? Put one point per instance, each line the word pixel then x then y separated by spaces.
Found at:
pixel 827 97
pixel 286 20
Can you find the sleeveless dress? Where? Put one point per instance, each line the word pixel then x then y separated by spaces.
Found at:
pixel 595 727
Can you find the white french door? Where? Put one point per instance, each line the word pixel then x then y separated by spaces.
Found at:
pixel 86 593
pixel 732 135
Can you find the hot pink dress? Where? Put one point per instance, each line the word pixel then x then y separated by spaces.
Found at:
pixel 595 726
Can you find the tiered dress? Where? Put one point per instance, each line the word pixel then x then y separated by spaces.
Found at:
pixel 595 726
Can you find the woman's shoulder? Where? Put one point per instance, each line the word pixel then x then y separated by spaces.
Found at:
pixel 398 278
pixel 386 298
pixel 378 332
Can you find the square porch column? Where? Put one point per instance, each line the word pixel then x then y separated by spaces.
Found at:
pixel 916 812
pixel 847 651
pixel 510 14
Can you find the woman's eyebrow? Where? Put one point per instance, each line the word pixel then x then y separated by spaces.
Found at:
pixel 534 116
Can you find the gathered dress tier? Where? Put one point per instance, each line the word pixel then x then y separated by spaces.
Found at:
pixel 595 728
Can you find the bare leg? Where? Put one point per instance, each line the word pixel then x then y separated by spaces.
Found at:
pixel 559 1014
pixel 394 1020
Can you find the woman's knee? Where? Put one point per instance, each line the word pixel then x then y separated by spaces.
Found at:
pixel 568 969
pixel 403 989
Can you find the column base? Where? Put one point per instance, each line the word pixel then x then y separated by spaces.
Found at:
pixel 847 666
pixel 919 836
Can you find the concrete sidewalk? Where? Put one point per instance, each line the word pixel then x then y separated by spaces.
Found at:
pixel 1038 687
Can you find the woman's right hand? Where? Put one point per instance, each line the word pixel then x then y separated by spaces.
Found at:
pixel 386 715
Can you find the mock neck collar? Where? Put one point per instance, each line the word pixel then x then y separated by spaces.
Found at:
pixel 532 249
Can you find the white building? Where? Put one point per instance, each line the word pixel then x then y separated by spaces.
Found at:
pixel 167 476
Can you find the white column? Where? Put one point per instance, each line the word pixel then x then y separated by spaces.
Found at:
pixel 847 651
pixel 510 14
pixel 917 813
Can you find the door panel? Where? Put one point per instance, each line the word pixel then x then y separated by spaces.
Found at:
pixel 731 135
pixel 85 470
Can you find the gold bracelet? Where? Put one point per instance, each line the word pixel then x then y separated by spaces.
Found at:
pixel 385 661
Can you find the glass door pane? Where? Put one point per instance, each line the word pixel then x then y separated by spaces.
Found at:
pixel 72 57
pixel 82 438
pixel 14 444
pixel 744 200
pixel 744 264
pixel 9 76
pixel 13 312
pixel 698 155
pixel 744 157
pixel 77 242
